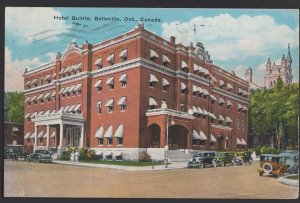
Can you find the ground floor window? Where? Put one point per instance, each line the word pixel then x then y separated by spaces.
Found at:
pixel 202 142
pixel 100 141
pixel 194 142
pixel 212 144
pixel 108 157
pixel 119 158
pixel 109 141
pixel 119 140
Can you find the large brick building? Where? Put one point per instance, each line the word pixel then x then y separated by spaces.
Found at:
pixel 130 93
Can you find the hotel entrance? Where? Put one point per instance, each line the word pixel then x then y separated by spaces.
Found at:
pixel 73 137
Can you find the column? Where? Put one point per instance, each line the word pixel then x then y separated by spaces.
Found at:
pixel 61 130
pixel 82 135
pixel 48 137
pixel 35 138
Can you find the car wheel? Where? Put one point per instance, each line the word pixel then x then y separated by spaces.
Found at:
pixel 261 173
pixel 214 163
pixel 267 167
pixel 201 165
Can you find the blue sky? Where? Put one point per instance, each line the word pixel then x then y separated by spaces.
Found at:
pixel 235 38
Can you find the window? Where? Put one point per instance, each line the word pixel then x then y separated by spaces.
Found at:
pixel 79 92
pixel 42 101
pixel 242 124
pixel 202 142
pixel 181 107
pixel 110 105
pixel 109 141
pixel 110 109
pixel 49 81
pixel 35 101
pixel 152 80
pixel 123 107
pixel 165 84
pixel 100 141
pixel 153 55
pixel 123 80
pixel 237 123
pixel 110 59
pixel 110 83
pixel 194 142
pixel 42 81
pixel 123 103
pixel 119 140
pixel 99 107
pixel 99 89
pixel 183 88
pixel 48 99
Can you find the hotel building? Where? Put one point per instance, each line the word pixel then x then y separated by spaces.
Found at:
pixel 132 93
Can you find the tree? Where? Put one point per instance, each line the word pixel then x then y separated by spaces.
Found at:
pixel 5 108
pixel 15 106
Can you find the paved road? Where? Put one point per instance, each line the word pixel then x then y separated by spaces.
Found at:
pixel 55 180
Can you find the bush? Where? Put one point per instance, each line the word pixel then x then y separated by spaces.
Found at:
pixel 84 153
pixel 144 156
pixel 265 150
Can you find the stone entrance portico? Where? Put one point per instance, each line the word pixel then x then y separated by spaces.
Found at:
pixel 60 119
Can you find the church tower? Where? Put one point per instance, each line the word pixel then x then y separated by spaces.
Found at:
pixel 268 73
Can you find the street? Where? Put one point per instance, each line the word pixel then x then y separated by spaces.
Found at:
pixel 27 179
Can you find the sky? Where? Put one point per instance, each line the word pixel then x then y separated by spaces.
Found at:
pixel 235 38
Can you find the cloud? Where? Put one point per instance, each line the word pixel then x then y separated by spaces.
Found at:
pixel 33 23
pixel 228 38
pixel 14 70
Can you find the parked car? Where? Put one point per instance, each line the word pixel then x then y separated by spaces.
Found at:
pixel 272 164
pixel 40 156
pixel 225 158
pixel 242 158
pixel 203 159
pixel 292 162
pixel 14 152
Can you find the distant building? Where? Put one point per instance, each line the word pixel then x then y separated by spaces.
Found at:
pixel 13 133
pixel 248 77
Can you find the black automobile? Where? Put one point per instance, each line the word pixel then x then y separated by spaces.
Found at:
pixel 14 152
pixel 203 159
pixel 40 156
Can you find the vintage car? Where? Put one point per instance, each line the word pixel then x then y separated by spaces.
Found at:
pixel 292 162
pixel 14 152
pixel 242 158
pixel 203 159
pixel 225 158
pixel 272 164
pixel 40 156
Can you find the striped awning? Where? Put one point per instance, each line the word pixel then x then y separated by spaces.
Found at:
pixel 99 132
pixel 119 131
pixel 108 133
pixel 153 54
pixel 202 135
pixel 123 53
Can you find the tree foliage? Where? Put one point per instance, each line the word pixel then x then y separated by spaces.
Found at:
pixel 277 109
pixel 15 106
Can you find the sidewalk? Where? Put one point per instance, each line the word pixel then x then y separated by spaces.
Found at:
pixel 175 165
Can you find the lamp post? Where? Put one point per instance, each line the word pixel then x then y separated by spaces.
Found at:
pixel 167 142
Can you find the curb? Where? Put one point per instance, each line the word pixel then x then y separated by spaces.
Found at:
pixel 285 181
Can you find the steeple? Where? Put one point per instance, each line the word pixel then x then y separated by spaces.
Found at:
pixel 289 58
pixel 269 61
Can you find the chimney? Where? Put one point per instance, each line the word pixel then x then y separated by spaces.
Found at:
pixel 172 39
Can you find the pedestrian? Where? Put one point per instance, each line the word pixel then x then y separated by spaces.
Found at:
pixel 72 158
pixel 253 155
pixel 76 156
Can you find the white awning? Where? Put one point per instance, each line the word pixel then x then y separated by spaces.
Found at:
pixel 47 112
pixel 202 136
pixel 243 142
pixel 77 66
pixel 72 88
pixel 196 67
pixel 53 111
pixel 245 92
pixel 99 153
pixel 62 108
pixel 108 133
pixel 110 102
pixel 195 110
pixel 62 90
pixel 27 115
pixel 98 83
pixel 110 81
pixel 221 118
pixel 196 136
pixel 122 101
pixel 118 153
pixel 228 119
pixel 222 83
pixel 206 72
pixel 240 91
pixel 123 53
pixel 200 90
pixel 53 134
pixel 152 102
pixel 47 95
pixel 213 97
pixel 27 83
pixel 32 136
pixel 205 92
pixel 153 53
pixel 245 108
pixel 119 132
pixel 66 90
pixel 212 115
pixel 166 59
pixel 72 108
pixel 182 86
pixel 53 94
pixel 78 87
pixel 33 98
pixel 41 96
pixel 213 78
pixel 238 141
pixel 108 153
pixel 27 99
pixel 212 138
pixel 45 135
pixel 62 71
pixel 69 69
pixel 41 112
pixel 221 101
pixel 195 88
pixel 123 78
pixel 110 57
pixel 98 61
pixel 78 107
pixel 54 75
pixel 34 81
pixel 239 106
pixel 153 78
pixel 199 110
pixel 229 103
pixel 66 108
pixel 201 69
pixel 40 135
pixel 99 133
pixel 165 82
pixel 205 112
pixel 33 115
pixel 27 136
pixel 229 86
pixel 184 64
